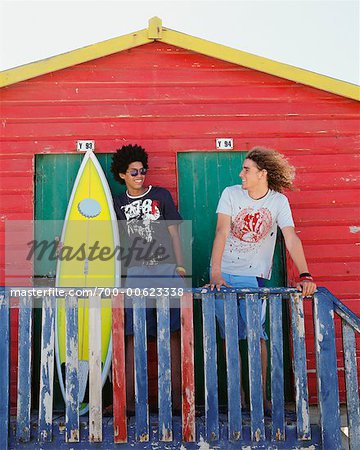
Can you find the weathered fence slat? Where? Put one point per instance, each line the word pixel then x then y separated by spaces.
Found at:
pixel 47 369
pixel 253 327
pixel 118 368
pixel 299 364
pixel 141 372
pixel 72 371
pixel 233 366
pixel 4 369
pixel 187 368
pixel 327 378
pixel 24 369
pixel 277 369
pixel 95 384
pixel 210 367
pixel 164 369
pixel 352 391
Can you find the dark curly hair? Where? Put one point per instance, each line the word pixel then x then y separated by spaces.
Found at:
pixel 280 174
pixel 126 155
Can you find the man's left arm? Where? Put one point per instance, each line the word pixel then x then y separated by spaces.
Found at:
pixel 296 251
pixel 175 239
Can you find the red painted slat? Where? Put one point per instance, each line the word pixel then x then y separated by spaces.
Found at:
pixel 335 252
pixel 333 216
pixel 187 369
pixel 312 146
pixel 118 367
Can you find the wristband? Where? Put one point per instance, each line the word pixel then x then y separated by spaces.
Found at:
pixel 305 274
pixel 306 277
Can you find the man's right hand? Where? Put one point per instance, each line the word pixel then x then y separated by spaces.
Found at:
pixel 217 281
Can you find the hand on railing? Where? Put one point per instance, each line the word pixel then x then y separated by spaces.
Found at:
pixel 306 286
pixel 217 281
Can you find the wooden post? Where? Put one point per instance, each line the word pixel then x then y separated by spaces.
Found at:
pixel 327 379
pixel 210 367
pixel 277 368
pixel 164 368
pixel 141 372
pixel 299 365
pixel 4 369
pixel 187 368
pixel 118 367
pixel 95 385
pixel 24 369
pixel 71 372
pixel 352 391
pixel 233 366
pixel 47 369
pixel 253 327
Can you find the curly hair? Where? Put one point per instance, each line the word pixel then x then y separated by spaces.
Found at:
pixel 126 155
pixel 280 174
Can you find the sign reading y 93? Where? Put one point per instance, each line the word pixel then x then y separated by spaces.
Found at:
pixel 85 146
pixel 224 143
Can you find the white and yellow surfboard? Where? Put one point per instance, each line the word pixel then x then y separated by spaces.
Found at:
pixel 90 227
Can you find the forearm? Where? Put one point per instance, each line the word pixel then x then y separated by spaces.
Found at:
pixel 176 244
pixel 296 251
pixel 217 253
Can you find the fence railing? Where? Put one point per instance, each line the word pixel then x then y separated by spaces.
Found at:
pixel 212 427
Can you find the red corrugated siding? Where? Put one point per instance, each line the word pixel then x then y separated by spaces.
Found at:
pixel 170 100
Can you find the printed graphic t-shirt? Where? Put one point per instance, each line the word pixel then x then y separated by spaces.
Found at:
pixel 145 219
pixel 249 248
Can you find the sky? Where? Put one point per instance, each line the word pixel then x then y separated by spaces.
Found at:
pixel 318 35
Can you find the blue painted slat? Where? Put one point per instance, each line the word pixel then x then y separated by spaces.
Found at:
pixel 4 369
pixel 277 370
pixel 72 369
pixel 352 391
pixel 299 364
pixel 24 369
pixel 164 369
pixel 47 369
pixel 141 372
pixel 327 379
pixel 233 366
pixel 210 367
pixel 253 329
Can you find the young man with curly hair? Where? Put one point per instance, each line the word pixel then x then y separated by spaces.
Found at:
pixel 150 221
pixel 243 249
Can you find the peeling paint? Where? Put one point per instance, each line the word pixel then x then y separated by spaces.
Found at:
pixel 166 434
pixel 279 436
pixel 257 435
pixel 354 229
pixel 144 437
pixel 236 435
pixel 203 445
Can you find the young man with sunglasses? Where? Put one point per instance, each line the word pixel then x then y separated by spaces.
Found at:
pixel 150 221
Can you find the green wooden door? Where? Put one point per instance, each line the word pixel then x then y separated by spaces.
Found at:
pixel 202 178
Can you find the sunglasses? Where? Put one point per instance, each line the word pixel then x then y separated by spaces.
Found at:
pixel 135 172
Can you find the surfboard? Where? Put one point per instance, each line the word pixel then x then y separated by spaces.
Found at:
pixel 90 226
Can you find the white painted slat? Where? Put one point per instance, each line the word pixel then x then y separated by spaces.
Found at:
pixel 95 385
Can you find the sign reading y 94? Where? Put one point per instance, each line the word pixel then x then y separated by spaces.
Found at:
pixel 224 143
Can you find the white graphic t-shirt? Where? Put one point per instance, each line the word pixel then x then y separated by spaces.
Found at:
pixel 249 248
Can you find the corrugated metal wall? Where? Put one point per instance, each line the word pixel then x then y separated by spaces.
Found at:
pixel 170 100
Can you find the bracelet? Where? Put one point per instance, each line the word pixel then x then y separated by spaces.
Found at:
pixel 305 274
pixel 306 278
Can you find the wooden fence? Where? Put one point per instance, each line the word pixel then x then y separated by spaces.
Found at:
pixel 232 431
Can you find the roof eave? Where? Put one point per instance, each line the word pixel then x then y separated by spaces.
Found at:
pixel 154 32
